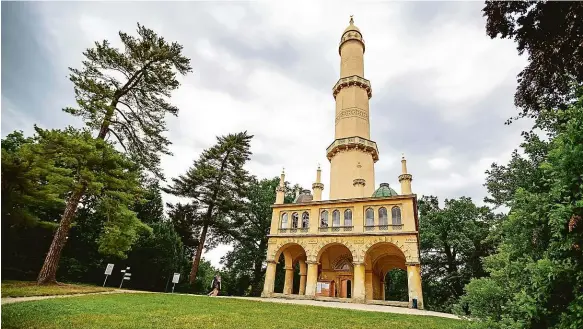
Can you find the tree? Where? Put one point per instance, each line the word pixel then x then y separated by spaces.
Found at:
pixel 536 276
pixel 186 221
pixel 453 240
pixel 217 181
pixel 121 94
pixel 550 33
pixel 252 225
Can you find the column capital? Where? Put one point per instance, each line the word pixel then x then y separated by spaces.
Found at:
pixel 357 263
pixel 311 262
pixel 413 263
pixel 288 268
pixel 271 261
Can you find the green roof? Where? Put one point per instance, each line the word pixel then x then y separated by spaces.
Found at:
pixel 383 191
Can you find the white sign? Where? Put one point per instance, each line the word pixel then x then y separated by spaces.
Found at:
pixel 176 278
pixel 109 269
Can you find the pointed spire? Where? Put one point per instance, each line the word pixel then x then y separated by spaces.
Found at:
pixel 319 174
pixel 282 177
pixel 351 19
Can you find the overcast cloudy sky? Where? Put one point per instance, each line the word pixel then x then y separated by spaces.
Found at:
pixel 442 88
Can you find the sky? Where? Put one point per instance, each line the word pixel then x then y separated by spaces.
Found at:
pixel 442 89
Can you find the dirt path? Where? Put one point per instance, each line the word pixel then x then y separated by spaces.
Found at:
pixel 350 306
pixel 10 300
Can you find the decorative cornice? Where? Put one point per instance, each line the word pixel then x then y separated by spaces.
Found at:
pixel 353 143
pixel 331 203
pixel 351 35
pixel 359 181
pixel 405 177
pixel 318 186
pixel 353 80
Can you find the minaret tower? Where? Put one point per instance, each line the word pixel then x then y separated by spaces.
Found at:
pixel 352 144
pixel 318 187
pixel 280 189
pixel 405 178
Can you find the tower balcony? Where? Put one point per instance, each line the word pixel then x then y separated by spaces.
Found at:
pixel 348 143
pixel 353 80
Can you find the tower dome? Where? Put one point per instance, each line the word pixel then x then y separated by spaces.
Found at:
pixel 351 27
pixel 383 191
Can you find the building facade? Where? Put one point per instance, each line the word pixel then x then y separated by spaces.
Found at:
pixel 344 247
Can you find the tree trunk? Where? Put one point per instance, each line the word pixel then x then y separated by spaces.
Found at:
pixel 198 254
pixel 48 272
pixel 258 272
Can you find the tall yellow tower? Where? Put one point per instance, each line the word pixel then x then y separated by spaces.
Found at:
pixel 352 153
pixel 345 247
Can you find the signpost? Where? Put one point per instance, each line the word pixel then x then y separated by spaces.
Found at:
pixel 126 276
pixel 175 279
pixel 108 271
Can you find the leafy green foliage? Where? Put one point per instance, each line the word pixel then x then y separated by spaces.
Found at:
pixel 125 92
pixel 453 240
pixel 536 275
pixel 550 34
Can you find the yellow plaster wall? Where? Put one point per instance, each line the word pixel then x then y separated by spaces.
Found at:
pixel 343 169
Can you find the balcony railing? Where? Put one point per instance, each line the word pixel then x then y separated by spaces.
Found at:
pixel 294 230
pixel 372 228
pixel 336 229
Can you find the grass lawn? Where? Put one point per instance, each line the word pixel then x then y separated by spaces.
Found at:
pixel 180 311
pixel 30 288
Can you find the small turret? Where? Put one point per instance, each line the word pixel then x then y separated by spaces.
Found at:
pixel 280 189
pixel 405 178
pixel 318 187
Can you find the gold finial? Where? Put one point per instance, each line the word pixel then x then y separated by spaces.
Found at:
pixel 402 156
pixel 283 170
pixel 318 166
pixel 351 19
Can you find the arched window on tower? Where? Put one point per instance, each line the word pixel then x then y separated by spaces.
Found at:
pixel 383 216
pixel 396 215
pixel 336 218
pixel 284 221
pixel 305 220
pixel 369 217
pixel 324 219
pixel 294 220
pixel 347 217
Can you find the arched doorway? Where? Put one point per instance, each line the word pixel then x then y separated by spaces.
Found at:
pixel 335 272
pixel 379 260
pixel 290 273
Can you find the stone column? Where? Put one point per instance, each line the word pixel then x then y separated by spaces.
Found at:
pixel 312 278
pixel 359 295
pixel 289 281
pixel 269 279
pixel 414 282
pixel 303 274
pixel 383 287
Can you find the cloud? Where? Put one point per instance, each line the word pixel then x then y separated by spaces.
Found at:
pixel 442 88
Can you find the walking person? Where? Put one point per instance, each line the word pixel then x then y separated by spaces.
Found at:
pixel 215 285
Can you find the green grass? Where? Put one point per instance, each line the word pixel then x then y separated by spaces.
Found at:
pixel 180 311
pixel 30 288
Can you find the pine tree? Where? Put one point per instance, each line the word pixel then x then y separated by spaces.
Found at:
pixel 122 94
pixel 218 183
